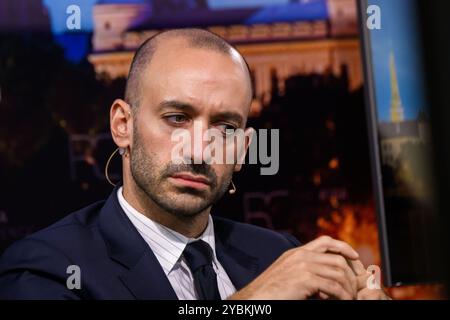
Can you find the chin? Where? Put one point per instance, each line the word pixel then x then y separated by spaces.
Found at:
pixel 186 212
pixel 185 205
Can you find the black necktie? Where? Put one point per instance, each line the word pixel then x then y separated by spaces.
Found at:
pixel 199 257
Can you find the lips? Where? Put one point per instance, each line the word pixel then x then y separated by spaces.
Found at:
pixel 190 180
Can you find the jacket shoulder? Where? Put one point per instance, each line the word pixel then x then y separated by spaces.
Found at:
pixel 33 269
pixel 37 265
pixel 74 230
pixel 245 233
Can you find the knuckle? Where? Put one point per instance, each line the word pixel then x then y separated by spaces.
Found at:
pixel 325 238
pixel 340 261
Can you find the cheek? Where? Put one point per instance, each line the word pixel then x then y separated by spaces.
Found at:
pixel 223 171
pixel 156 142
pixel 234 150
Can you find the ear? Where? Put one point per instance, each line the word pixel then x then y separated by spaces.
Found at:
pixel 121 123
pixel 248 133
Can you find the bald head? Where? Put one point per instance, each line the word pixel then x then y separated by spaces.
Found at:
pixel 192 38
pixel 186 81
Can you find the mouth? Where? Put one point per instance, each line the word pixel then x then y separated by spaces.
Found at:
pixel 190 180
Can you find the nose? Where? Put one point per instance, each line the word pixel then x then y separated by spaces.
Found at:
pixel 198 143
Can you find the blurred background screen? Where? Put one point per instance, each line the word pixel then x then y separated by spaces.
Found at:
pixel 402 145
pixel 63 62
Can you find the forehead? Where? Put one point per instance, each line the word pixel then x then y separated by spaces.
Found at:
pixel 205 78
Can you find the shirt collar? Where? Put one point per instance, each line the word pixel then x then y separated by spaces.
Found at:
pixel 167 244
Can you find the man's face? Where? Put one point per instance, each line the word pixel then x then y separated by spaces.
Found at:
pixel 180 87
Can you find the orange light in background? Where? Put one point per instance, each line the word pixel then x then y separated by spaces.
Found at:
pixel 255 108
pixel 333 164
pixel 334 201
pixel 356 224
pixel 317 179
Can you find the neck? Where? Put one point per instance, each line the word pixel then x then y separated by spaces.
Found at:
pixel 189 226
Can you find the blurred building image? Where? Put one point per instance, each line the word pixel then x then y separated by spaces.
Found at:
pixel 398 131
pixel 281 49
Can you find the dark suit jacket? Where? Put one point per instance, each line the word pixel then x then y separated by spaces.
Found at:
pixel 116 262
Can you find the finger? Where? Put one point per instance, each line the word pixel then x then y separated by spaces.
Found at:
pixel 336 261
pixel 335 274
pixel 327 244
pixel 357 267
pixel 360 272
pixel 324 296
pixel 364 294
pixel 370 294
pixel 329 287
pixel 362 281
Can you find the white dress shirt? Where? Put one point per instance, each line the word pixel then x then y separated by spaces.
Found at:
pixel 168 246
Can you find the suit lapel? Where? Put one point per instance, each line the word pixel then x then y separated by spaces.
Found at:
pixel 144 276
pixel 147 280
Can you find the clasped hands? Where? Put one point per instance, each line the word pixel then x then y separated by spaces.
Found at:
pixel 324 268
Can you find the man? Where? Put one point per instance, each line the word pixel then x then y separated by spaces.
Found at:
pixel 154 237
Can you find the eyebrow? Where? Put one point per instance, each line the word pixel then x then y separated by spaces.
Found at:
pixel 174 104
pixel 187 107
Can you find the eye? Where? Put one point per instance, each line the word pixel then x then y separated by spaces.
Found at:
pixel 176 119
pixel 226 128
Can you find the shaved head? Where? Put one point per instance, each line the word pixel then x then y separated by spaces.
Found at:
pixel 194 38
pixel 190 80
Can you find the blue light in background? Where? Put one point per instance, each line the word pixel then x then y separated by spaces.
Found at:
pixel 228 4
pixel 302 11
pixel 77 44
pixel 400 34
pixel 58 16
